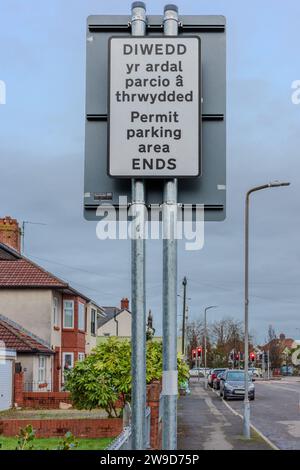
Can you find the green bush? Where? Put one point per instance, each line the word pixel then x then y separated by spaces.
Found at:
pixel 105 375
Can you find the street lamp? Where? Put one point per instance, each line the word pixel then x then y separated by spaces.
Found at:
pixel 273 184
pixel 205 335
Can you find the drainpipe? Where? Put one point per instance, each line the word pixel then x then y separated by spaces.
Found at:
pixel 117 325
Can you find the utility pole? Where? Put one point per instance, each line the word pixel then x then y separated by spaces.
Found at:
pixel 169 222
pixel 205 341
pixel 138 357
pixel 184 283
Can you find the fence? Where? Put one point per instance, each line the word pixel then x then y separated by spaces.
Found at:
pixel 123 441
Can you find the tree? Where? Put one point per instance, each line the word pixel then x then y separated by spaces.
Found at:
pixel 105 376
pixel 274 347
pixel 228 335
pixel 194 334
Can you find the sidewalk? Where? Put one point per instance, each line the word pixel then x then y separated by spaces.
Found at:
pixel 206 423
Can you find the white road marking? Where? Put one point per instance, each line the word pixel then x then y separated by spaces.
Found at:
pixel 293 427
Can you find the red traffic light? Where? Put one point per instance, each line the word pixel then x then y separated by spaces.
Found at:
pixel 199 351
pixel 237 357
pixel 252 356
pixel 194 353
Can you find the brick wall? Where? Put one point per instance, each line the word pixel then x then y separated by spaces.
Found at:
pixel 45 400
pixel 153 399
pixel 10 233
pixel 51 400
pixel 87 428
pixel 18 388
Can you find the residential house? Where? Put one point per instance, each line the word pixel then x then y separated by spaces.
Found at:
pixel 32 352
pixel 287 350
pixel 46 306
pixel 115 321
pixel 94 314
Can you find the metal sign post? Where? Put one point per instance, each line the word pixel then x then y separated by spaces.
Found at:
pixel 170 388
pixel 138 294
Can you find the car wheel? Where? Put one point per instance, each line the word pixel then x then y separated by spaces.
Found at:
pixel 224 396
pixel 252 398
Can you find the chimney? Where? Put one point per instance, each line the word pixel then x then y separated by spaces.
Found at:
pixel 124 304
pixel 10 233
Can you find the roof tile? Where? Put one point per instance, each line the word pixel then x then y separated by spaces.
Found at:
pixel 24 273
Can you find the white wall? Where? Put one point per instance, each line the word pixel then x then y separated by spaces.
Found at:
pixel 56 334
pixel 30 367
pixel 31 308
pixel 124 326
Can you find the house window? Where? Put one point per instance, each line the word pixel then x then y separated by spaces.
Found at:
pixel 106 334
pixel 81 357
pixel 42 369
pixel 81 316
pixel 68 361
pixel 68 314
pixel 55 312
pixel 93 321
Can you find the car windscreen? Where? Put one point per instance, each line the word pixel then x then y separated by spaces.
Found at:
pixel 235 376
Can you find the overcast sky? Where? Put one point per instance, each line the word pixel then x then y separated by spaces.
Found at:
pixel 42 62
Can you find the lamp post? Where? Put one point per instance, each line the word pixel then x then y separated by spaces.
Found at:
pixel 273 184
pixel 205 335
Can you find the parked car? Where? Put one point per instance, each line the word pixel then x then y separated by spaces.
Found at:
pixel 255 371
pixel 287 370
pixel 216 381
pixel 197 372
pixel 213 374
pixel 232 385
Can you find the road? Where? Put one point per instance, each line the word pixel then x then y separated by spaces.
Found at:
pixel 276 411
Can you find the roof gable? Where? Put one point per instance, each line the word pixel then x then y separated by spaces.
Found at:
pixel 110 313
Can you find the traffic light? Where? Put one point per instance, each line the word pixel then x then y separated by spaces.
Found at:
pixel 252 357
pixel 194 353
pixel 199 351
pixel 237 357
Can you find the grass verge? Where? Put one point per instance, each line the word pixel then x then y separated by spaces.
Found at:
pixel 51 443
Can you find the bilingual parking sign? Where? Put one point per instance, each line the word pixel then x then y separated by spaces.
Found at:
pixel 154 107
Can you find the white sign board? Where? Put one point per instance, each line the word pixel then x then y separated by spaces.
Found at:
pixel 154 107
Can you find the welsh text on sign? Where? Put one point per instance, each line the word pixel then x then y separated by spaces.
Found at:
pixel 155 107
